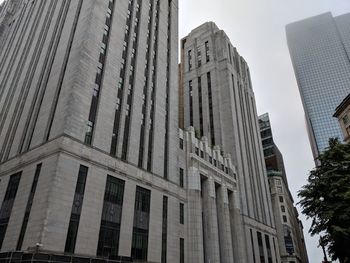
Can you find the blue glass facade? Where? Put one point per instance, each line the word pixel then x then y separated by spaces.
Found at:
pixel 320 51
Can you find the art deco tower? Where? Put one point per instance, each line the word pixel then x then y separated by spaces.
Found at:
pixel 218 100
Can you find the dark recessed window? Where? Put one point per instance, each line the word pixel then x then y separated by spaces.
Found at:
pixel 182 213
pixel 281 199
pixel 182 250
pixel 181 175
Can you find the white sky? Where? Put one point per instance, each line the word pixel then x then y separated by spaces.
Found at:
pixel 257 29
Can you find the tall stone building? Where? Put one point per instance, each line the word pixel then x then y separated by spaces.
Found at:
pixel 89 132
pixel 218 101
pixel 320 50
pixel 289 227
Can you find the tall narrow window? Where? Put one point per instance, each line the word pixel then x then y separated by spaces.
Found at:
pixel 29 207
pixel 268 247
pixel 261 247
pixel 211 113
pixel 252 242
pixel 182 250
pixel 182 213
pixel 139 246
pixel 190 60
pixel 76 210
pixel 181 175
pixel 164 229
pixel 7 204
pixel 200 106
pixel 108 241
pixel 199 56
pixel 190 89
pixel 207 51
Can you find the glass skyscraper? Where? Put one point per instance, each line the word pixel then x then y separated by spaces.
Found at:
pixel 320 51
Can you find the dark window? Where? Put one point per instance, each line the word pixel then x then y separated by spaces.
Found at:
pixel 189 59
pixel 108 242
pixel 211 113
pixel 285 219
pixel 207 51
pixel 252 241
pixel 261 247
pixel 141 224
pixel 28 207
pixel 197 151
pixel 7 204
pixel 202 154
pixel 200 106
pixel 182 213
pixel 190 87
pixel 283 208
pixel 164 229
pixel 281 199
pixel 181 143
pixel 181 174
pixel 268 247
pixel 182 250
pixel 76 210
pixel 199 56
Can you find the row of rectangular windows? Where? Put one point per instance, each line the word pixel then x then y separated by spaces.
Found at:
pixel 199 56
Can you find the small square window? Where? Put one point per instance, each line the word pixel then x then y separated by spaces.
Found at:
pixel 281 199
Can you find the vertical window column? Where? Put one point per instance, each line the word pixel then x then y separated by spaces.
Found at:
pixel 268 247
pixel 153 91
pixel 76 210
pixel 211 113
pixel 200 106
pixel 28 207
pixel 99 75
pixel 108 241
pixel 182 250
pixel 261 247
pixel 122 76
pixel 164 229
pixel 207 56
pixel 7 204
pixel 146 85
pixel 190 90
pixel 139 248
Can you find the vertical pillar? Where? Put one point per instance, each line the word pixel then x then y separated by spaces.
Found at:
pixel 237 229
pixel 195 224
pixel 211 232
pixel 223 212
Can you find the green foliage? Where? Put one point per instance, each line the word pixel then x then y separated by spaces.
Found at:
pixel 326 199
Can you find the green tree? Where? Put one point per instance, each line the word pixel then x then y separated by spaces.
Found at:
pixel 326 200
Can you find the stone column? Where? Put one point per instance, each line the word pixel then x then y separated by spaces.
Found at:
pixel 237 229
pixel 223 211
pixel 195 224
pixel 211 231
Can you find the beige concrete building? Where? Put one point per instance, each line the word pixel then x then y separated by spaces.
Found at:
pixel 343 114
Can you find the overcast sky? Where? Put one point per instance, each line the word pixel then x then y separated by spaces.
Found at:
pixel 257 29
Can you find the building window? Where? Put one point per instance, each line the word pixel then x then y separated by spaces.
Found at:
pixel 181 142
pixel 76 210
pixel 139 245
pixel 281 199
pixel 252 242
pixel 279 190
pixel 164 229
pixel 197 151
pixel 261 247
pixel 28 207
pixel 200 106
pixel 182 250
pixel 283 209
pixel 278 182
pixel 211 112
pixel 199 56
pixel 182 213
pixel 202 154
pixel 111 218
pixel 191 101
pixel 7 204
pixel 285 219
pixel 268 247
pixel 189 60
pixel 181 175
pixel 207 51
